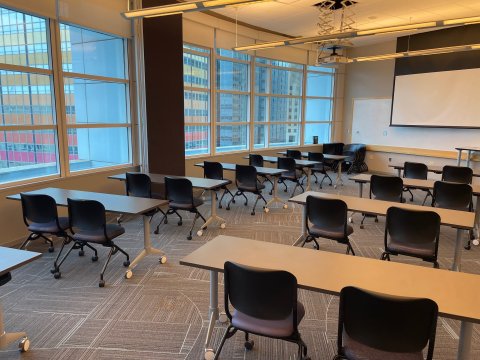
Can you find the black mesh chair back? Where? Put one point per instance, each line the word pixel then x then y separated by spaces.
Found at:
pixel 458 174
pixel 255 160
pixel 327 214
pixel 295 154
pixel 179 190
pixel 212 170
pixel 38 208
pixel 414 170
pixel 388 188
pixel 138 185
pixel 454 196
pixel 386 323
pixel 246 176
pixel 260 293
pixel 86 215
pixel 287 163
pixel 315 156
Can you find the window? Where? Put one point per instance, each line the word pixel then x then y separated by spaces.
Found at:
pixel 28 136
pixel 196 81
pixel 232 102
pixel 97 98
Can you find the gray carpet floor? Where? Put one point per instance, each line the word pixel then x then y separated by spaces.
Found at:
pixel 161 313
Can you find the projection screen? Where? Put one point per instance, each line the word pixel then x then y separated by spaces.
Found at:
pixel 437 99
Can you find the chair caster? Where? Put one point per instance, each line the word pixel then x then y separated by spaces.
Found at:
pixel 266 209
pixel 467 247
pixel 165 221
pixel 24 345
pixel 189 237
pixel 476 242
pixel 53 270
pixel 156 232
pixel 126 263
pixel 81 253
pixel 252 213
pixel 57 275
pixel 285 190
pixel 180 223
pixel 362 227
pixel 200 232
pixel 246 203
pixel 270 193
pixel 233 201
pixel 227 208
pixel 163 259
pixel 101 283
pixel 249 344
pixel 376 219
pixel 223 226
pixel 94 258
pixel 285 206
pixel 220 206
pixel 51 249
pixel 350 220
pixel 128 274
pixel 209 354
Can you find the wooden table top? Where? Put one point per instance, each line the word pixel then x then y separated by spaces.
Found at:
pixel 121 204
pixel 260 170
pixel 416 183
pixel 326 156
pixel 431 168
pixel 11 259
pixel 201 183
pixel 456 293
pixel 454 218
pixel 274 160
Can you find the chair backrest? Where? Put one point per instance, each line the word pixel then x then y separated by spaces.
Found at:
pixel 38 208
pixel 327 213
pixel 415 170
pixel 387 323
pixel 255 160
pixel 138 185
pixel 179 190
pixel 288 164
pixel 458 174
pixel 86 215
pixel 333 148
pixel 388 188
pixel 260 293
pixel 246 175
pixel 295 154
pixel 412 227
pixel 451 195
pixel 315 156
pixel 212 170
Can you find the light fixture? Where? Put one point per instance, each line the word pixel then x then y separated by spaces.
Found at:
pixel 361 33
pixel 184 7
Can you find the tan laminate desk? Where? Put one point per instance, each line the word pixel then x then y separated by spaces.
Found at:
pixel 461 220
pixel 469 150
pixel 455 293
pixel 431 168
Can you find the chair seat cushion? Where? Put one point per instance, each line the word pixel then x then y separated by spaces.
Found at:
pixel 423 250
pixel 355 350
pixel 332 233
pixel 50 227
pixel 186 206
pixel 253 189
pixel 274 328
pixel 98 236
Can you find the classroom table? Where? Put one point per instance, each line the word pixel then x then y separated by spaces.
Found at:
pixel 461 220
pixel 200 183
pixel 431 168
pixel 119 204
pixel 456 294
pixel 339 158
pixel 469 150
pixel 274 173
pixel 11 259
pixel 421 184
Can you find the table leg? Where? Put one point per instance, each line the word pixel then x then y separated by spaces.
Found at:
pixel 339 175
pixel 213 215
pixel 148 249
pixel 213 314
pixel 469 153
pixel 7 338
pixel 457 259
pixel 399 172
pixel 476 228
pixel 459 158
pixel 304 226
pixel 465 341
pixel 275 198
pixel 309 172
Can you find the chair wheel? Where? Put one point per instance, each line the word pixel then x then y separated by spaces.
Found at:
pixel 350 220
pixel 227 208
pixel 266 209
pixel 128 274
pixel 467 247
pixel 220 206
pixel 53 270
pixel 362 227
pixel 249 344
pixel 199 232
pixel 223 226
pixel 270 193
pixel 180 223
pixel 252 213
pixel 155 232
pixel 246 203
pixel 81 253
pixel 285 190
pixel 94 258
pixel 163 259
pixel 189 237
pixel 24 345
pixel 126 263
pixel 233 201
pixel 57 275
pixel 165 221
pixel 376 219
pixel 51 249
pixel 101 283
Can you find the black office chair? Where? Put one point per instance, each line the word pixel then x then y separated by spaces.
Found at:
pixel 257 160
pixel 179 193
pixel 458 174
pixel 453 196
pixel 387 188
pixel 328 218
pixel 265 303
pixel 214 170
pixel 297 155
pixel 88 224
pixel 140 185
pixel 414 170
pixel 319 168
pixel 379 327
pixel 412 233
pixel 246 181
pixel 291 174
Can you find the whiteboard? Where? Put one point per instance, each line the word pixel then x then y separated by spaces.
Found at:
pixel 371 126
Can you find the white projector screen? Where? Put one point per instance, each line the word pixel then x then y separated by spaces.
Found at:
pixel 437 99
